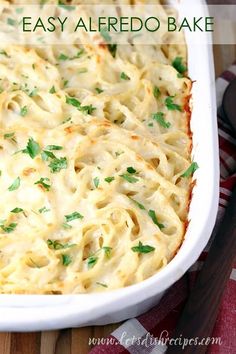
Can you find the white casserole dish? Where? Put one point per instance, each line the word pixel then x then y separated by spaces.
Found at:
pixel 46 312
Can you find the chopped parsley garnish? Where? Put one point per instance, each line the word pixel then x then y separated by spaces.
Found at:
pixel 19 10
pixel 123 76
pixel 109 179
pixel 43 210
pixel 107 251
pixel 101 284
pixel 76 103
pixel 98 90
pixel 73 216
pixel 17 210
pixel 11 22
pixel 10 136
pixel 96 182
pixel 66 259
pixel 112 49
pixel 78 54
pixel 42 182
pixel 47 154
pixel 34 263
pixel 190 171
pixel 118 153
pixel 33 92
pixel 23 111
pixel 171 106
pixel 150 124
pixel 92 260
pixel 178 65
pixel 63 57
pixel 87 109
pixel 141 206
pixel 8 229
pixel 66 226
pixel 57 164
pixel 82 70
pixel 142 248
pixel 131 170
pixel 105 34
pixel 159 118
pixel 3 52
pixel 55 245
pixel 65 7
pixel 52 89
pixel 15 185
pixel 65 83
pixel 32 148
pixel 152 215
pixel 73 101
pixel 156 92
pixel 53 147
pixel 129 178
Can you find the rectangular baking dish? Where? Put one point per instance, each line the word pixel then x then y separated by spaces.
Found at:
pixel 46 312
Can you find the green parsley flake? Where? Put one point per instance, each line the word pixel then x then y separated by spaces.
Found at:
pixel 42 182
pixel 52 89
pixel 96 182
pixel 190 171
pixel 47 155
pixel 131 170
pixel 23 111
pixel 57 164
pixel 32 148
pixel 101 284
pixel 123 76
pixel 98 90
pixel 82 71
pixel 66 259
pixel 152 215
pixel 178 65
pixel 63 57
pixel 129 178
pixel 142 207
pixel 19 10
pixel 107 251
pixel 109 179
pixel 65 83
pixel 10 228
pixel 76 103
pixel 66 7
pixel 66 226
pixel 159 118
pixel 156 92
pixel 112 49
pixel 43 210
pixel 53 147
pixel 73 216
pixel 17 210
pixel 171 106
pixel 33 92
pixel 15 185
pixel 55 245
pixel 11 22
pixel 92 260
pixel 10 136
pixel 143 248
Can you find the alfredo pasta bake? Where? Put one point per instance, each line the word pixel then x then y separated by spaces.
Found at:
pixel 95 161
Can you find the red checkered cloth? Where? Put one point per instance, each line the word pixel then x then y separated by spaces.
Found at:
pixel 137 336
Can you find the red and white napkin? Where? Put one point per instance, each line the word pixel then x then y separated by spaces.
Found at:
pixel 137 336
